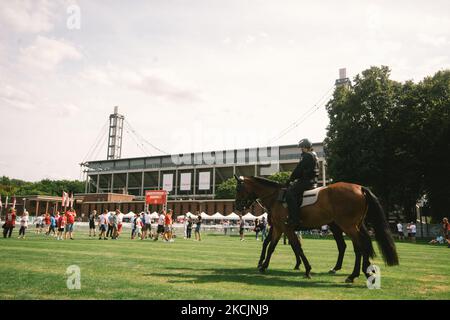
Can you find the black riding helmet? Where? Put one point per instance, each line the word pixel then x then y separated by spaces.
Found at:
pixel 304 143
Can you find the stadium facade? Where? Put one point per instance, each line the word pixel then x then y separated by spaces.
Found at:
pixel 192 176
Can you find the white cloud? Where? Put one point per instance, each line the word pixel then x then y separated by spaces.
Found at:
pixel 15 98
pixel 147 82
pixel 434 40
pixel 31 16
pixel 47 53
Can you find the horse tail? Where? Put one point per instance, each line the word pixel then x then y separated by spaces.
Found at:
pixel 377 218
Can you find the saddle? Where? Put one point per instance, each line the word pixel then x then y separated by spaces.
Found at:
pixel 309 196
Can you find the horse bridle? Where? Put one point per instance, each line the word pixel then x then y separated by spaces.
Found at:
pixel 252 198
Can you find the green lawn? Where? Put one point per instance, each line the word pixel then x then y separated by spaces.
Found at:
pixel 219 267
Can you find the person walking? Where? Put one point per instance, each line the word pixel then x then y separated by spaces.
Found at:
pixel 47 221
pixel 92 218
pixel 61 223
pixel 70 220
pixel 263 226
pixel 114 224
pixel 189 228
pixel 412 232
pixel 257 229
pixel 241 228
pixel 147 225
pixel 10 223
pixel 119 215
pixel 198 226
pixel 23 224
pixel 52 226
pixel 401 235
pixel 103 224
pixel 160 228
pixel 168 226
pixel 110 225
pixel 38 221
pixel 225 225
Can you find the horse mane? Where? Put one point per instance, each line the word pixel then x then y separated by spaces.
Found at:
pixel 267 182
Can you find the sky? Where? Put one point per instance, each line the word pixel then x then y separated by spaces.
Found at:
pixel 191 75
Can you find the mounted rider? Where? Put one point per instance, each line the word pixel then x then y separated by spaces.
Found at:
pixel 304 177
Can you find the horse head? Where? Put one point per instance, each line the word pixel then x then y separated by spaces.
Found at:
pixel 244 195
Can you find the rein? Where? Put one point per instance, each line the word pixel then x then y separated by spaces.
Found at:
pixel 259 200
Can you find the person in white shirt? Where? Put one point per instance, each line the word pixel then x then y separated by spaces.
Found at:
pixel 103 224
pixel 160 230
pixel 23 225
pixel 401 235
pixel 119 222
pixel 412 232
pixel 38 223
pixel 146 230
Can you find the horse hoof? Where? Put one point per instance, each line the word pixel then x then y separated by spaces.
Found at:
pixel 349 280
pixel 296 268
pixel 262 270
pixel 307 276
pixel 332 271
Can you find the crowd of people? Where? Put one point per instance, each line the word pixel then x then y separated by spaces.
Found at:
pixel 110 225
pixel 58 225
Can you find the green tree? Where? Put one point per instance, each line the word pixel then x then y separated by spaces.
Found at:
pixel 281 177
pixel 390 136
pixel 227 189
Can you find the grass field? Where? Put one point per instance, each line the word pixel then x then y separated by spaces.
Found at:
pixel 219 267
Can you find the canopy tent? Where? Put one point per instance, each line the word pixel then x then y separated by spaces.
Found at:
pixel 205 216
pixel 232 216
pixel 249 216
pixel 129 214
pixel 154 215
pixel 263 215
pixel 217 216
pixel 189 214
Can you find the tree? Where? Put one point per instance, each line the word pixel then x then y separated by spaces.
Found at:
pixel 281 177
pixel 434 103
pixel 227 189
pixel 16 187
pixel 390 136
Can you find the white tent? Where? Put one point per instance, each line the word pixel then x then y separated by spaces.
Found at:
pixel 189 214
pixel 263 215
pixel 232 216
pixel 217 216
pixel 154 215
pixel 249 216
pixel 129 214
pixel 205 216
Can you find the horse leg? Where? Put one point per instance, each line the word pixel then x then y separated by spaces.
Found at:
pixel 264 248
pixel 297 247
pixel 276 235
pixel 366 248
pixel 339 238
pixel 296 252
pixel 357 267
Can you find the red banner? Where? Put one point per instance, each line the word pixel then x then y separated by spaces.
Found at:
pixel 156 197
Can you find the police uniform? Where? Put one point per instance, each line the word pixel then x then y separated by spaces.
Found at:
pixel 304 177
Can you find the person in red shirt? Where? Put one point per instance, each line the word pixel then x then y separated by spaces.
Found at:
pixel 47 223
pixel 61 223
pixel 10 223
pixel 70 220
pixel 168 226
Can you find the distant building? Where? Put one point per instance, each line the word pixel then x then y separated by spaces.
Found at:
pixel 192 176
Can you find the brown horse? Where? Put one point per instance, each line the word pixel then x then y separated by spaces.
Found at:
pixel 345 207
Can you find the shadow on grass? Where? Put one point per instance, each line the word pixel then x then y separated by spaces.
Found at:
pixel 251 276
